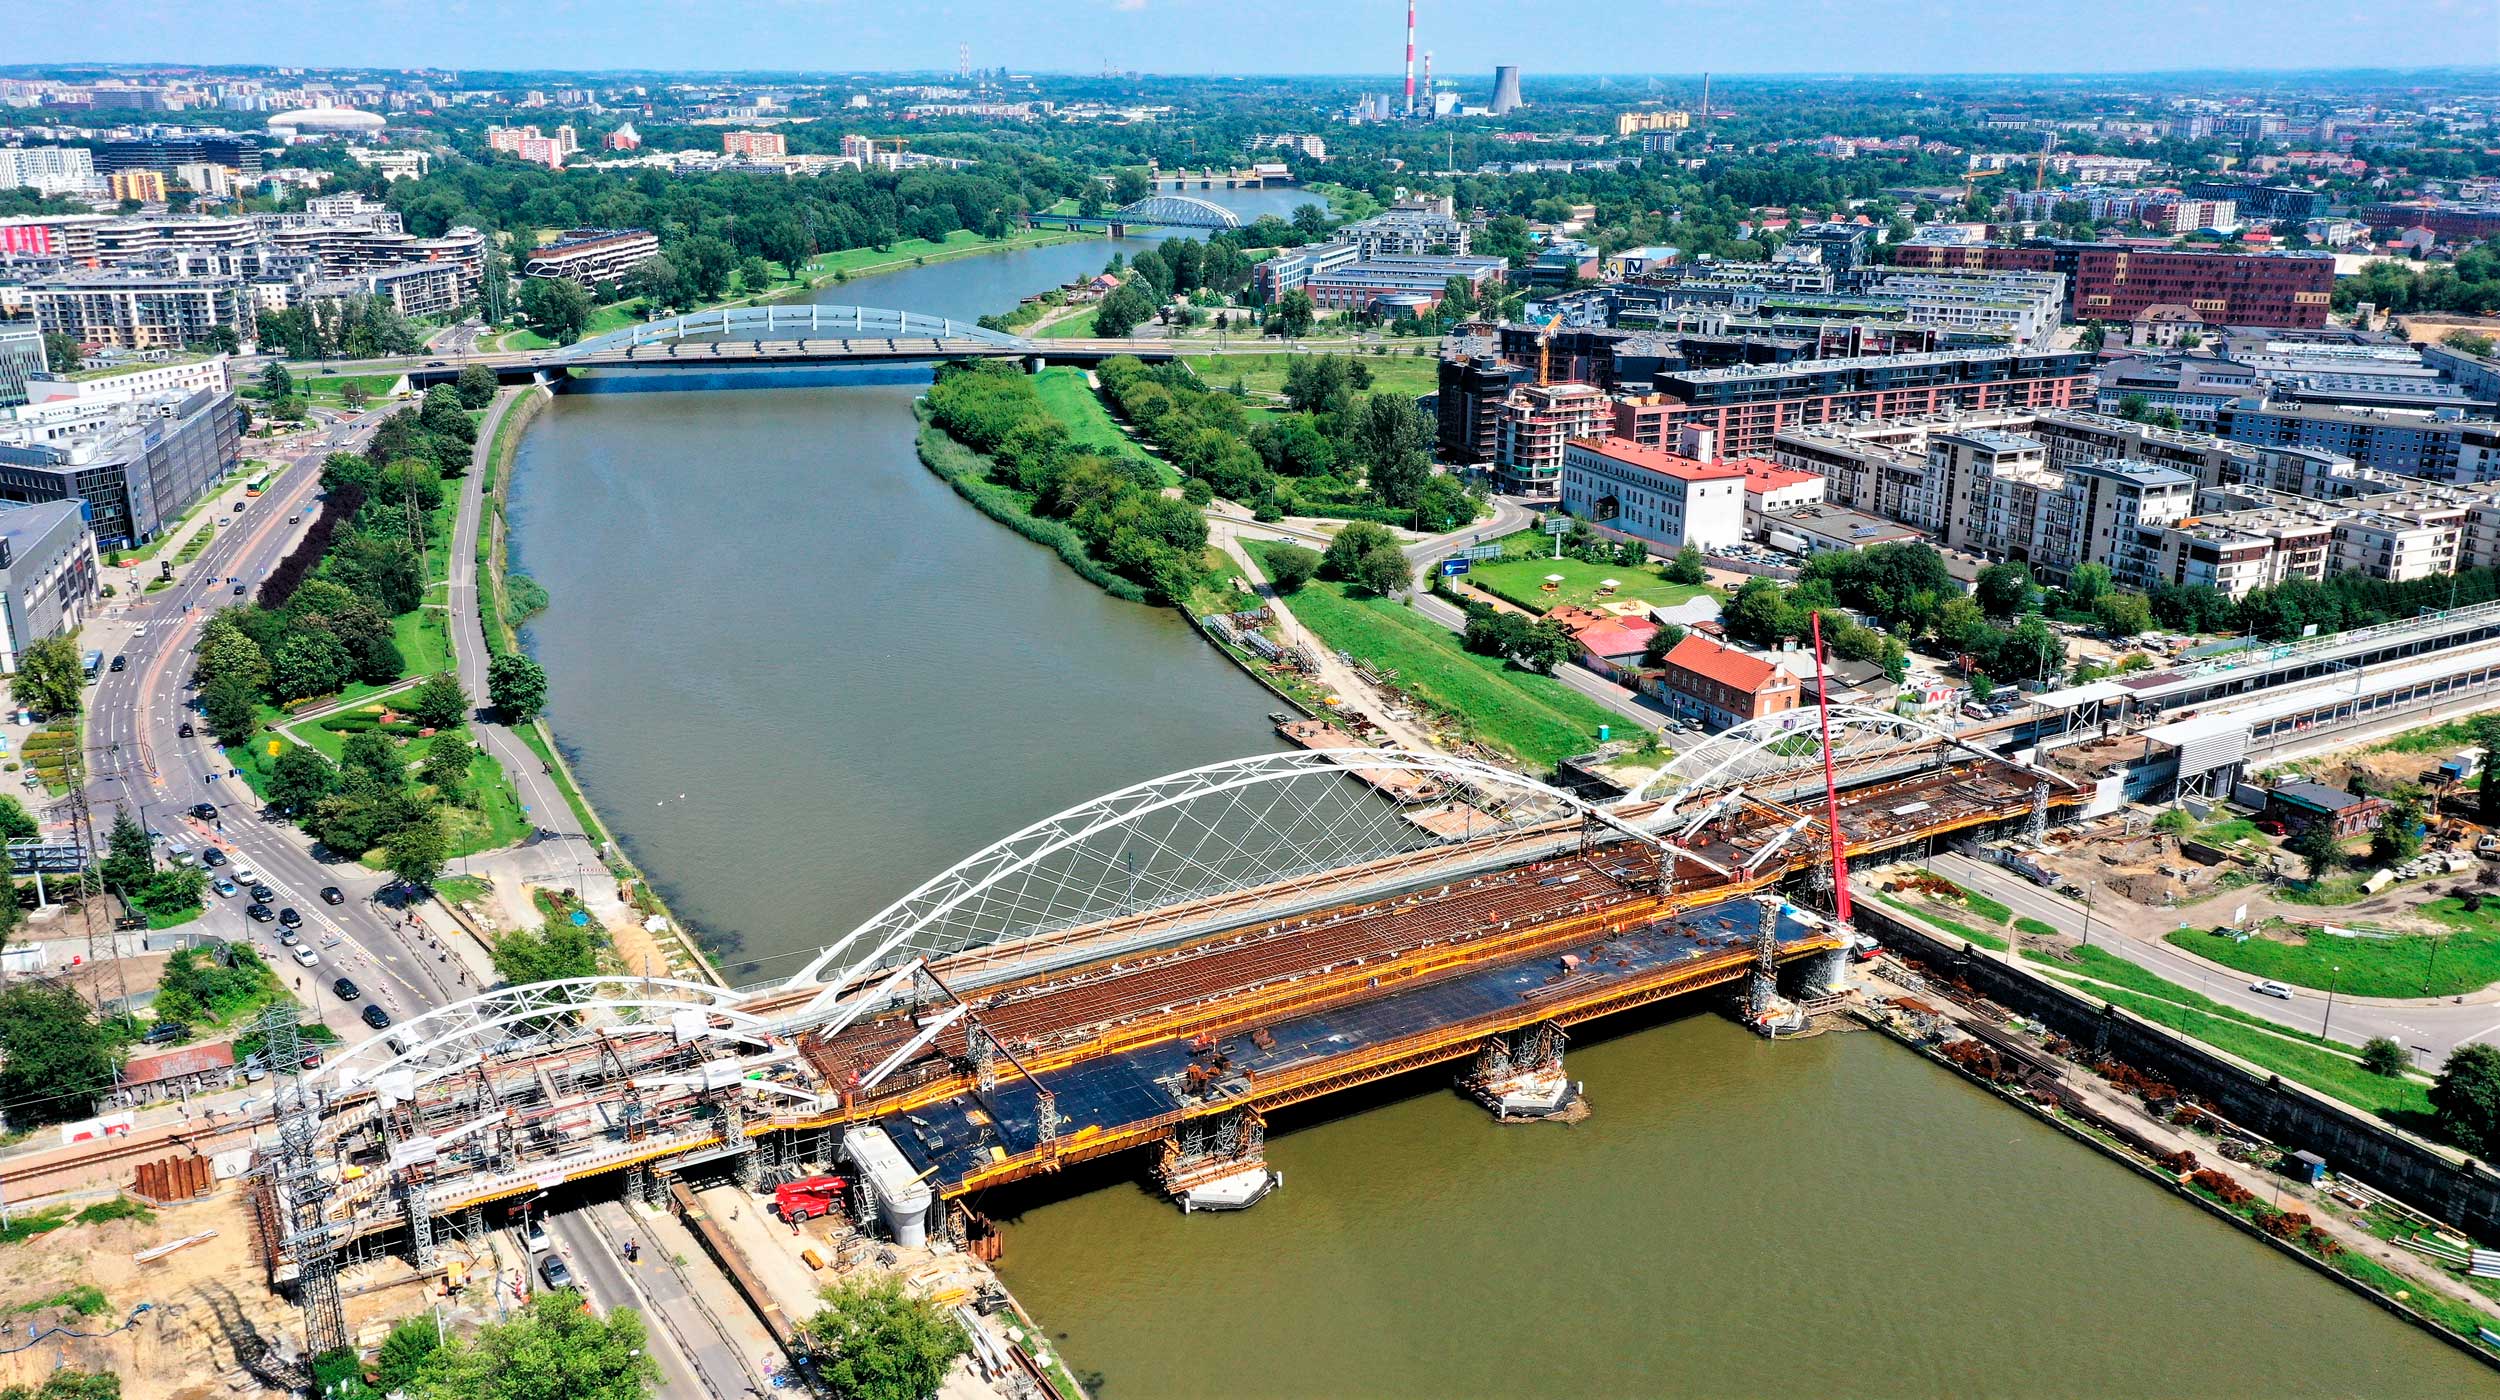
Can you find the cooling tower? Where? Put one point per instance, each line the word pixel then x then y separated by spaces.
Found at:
pixel 1505 89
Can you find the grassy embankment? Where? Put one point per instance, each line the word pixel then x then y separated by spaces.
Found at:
pixel 1518 577
pixel 2463 960
pixel 968 472
pixel 1262 377
pixel 1068 398
pixel 1536 718
pixel 2304 1058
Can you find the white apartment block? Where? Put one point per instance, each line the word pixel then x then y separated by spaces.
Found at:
pixel 50 170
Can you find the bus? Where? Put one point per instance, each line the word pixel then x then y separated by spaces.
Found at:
pixel 95 663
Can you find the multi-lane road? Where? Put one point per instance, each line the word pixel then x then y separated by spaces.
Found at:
pixel 140 762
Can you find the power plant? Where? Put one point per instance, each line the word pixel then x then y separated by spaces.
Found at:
pixel 1410 59
pixel 1505 89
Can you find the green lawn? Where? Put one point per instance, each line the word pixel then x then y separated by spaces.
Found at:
pixel 1265 374
pixel 424 639
pixel 1077 327
pixel 1537 718
pixel 1522 581
pixel 1080 410
pixel 495 820
pixel 2411 965
pixel 613 317
pixel 851 262
pixel 328 388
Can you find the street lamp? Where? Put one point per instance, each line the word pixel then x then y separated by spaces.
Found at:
pixel 2337 976
pixel 2432 967
pixel 2090 889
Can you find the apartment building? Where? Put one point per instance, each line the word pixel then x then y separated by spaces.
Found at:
pixel 1531 426
pixel 412 289
pixel 2443 446
pixel 762 145
pixel 121 379
pixel 137 186
pixel 592 255
pixel 2237 553
pixel 1746 406
pixel 1876 466
pixel 139 309
pixel 2117 281
pixel 1468 405
pixel 1670 499
pixel 1719 687
pixel 2114 503
pixel 48 170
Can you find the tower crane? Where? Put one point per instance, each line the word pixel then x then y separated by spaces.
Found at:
pixel 1545 350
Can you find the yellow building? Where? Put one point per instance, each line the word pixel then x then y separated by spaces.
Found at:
pixel 1634 123
pixel 146 186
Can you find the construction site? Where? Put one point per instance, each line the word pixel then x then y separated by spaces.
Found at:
pixel 1151 973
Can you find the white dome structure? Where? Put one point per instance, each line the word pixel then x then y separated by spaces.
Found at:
pixel 340 120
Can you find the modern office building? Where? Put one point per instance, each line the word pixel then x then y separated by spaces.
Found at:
pixel 1357 285
pixel 2456 223
pixel 592 255
pixel 2117 281
pixel 2276 203
pixel 49 575
pixel 21 358
pixel 116 378
pixel 240 154
pixel 136 465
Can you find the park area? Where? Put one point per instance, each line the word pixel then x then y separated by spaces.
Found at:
pixel 1067 397
pixel 1262 377
pixel 1534 717
pixel 2368 962
pixel 1519 577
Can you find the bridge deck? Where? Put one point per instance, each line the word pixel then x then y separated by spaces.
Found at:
pixel 1113 1101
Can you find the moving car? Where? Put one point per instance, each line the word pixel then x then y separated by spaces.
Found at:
pixel 2271 989
pixel 290 918
pixel 259 913
pixel 205 811
pixel 375 1016
pixel 185 729
pixel 306 957
pixel 345 990
pixel 212 857
pixel 263 893
pixel 534 1236
pixel 121 663
pixel 330 895
pixel 226 889
pixel 555 1271
pixel 289 937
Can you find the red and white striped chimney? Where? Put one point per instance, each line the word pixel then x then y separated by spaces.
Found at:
pixel 1410 57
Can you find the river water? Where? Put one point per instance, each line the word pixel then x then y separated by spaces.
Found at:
pixel 799 675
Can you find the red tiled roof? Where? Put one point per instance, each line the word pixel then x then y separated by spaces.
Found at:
pixel 1616 636
pixel 1726 665
pixel 1762 476
pixel 1661 461
pixel 175 1064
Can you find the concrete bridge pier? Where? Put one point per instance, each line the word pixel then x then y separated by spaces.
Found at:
pixel 1827 975
pixel 1218 1163
pixel 1520 1076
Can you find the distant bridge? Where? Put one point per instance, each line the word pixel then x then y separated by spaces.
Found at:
pixel 1154 211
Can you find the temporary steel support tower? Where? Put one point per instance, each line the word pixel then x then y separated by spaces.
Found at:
pixel 302 1191
pixel 1831 790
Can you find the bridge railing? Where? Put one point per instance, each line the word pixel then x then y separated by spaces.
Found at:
pixel 803 320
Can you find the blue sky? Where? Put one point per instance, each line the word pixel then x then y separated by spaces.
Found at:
pixel 1269 36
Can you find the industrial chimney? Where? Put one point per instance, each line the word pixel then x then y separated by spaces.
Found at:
pixel 1410 59
pixel 1505 89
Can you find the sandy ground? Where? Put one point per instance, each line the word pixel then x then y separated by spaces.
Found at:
pixel 209 1304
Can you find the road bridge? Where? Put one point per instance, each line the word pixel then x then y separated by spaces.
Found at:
pixel 1158 968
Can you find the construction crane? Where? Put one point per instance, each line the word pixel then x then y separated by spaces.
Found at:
pixel 2048 142
pixel 1545 350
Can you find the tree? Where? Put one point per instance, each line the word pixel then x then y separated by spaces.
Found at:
pixel 2399 835
pixel 2318 844
pixel 560 950
pixel 1350 545
pixel 1690 565
pixel 276 383
pixel 2003 590
pixel 517 687
pixel 2384 1056
pixel 128 858
pixel 50 677
pixel 375 756
pixel 1289 566
pixel 403 1353
pixel 417 850
pixel 2087 584
pixel 1545 645
pixel 232 707
pixel 440 702
pixel 354 394
pixel 558 306
pixel 446 765
pixel 1294 313
pixel 656 280
pixel 70 1385
pixel 2122 615
pixel 55 1060
pixel 881 1343
pixel 1124 310
pixel 1383 571
pixel 2467 1098
pixel 61 352
pixel 301 778
pixel 553 1347
pixel 1395 443
pixel 476 386
pixel 1654 651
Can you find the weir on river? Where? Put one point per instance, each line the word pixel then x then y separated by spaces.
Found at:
pixel 798 674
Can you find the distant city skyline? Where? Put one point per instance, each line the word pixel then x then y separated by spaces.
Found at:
pixel 1281 37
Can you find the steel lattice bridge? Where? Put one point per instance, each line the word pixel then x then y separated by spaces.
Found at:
pixel 1160 966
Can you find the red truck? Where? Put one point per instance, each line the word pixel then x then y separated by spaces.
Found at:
pixel 809 1197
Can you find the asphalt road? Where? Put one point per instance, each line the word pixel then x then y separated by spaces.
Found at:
pixel 138 760
pixel 695 1361
pixel 2431 1029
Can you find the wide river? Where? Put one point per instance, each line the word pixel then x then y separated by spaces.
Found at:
pixel 799 676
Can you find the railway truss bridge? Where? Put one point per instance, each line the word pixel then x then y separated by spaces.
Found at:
pixel 1155 969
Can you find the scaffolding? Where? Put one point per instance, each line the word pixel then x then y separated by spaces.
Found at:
pixel 302 1191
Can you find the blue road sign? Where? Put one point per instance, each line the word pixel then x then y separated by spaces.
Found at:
pixel 1452 568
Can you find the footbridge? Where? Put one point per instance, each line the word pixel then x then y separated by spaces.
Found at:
pixel 1155 970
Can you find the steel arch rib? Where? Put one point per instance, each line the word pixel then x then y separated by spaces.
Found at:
pixel 1755 735
pixel 505 1006
pixel 982 870
pixel 1179 211
pixel 856 321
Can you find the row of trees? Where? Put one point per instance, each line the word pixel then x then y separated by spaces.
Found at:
pixel 1115 505
pixel 353 327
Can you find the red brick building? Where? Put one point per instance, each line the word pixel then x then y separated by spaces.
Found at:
pixel 2116 281
pixel 1720 687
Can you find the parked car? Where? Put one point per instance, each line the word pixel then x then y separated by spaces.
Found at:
pixel 345 990
pixel 306 957
pixel 375 1016
pixel 260 913
pixel 290 918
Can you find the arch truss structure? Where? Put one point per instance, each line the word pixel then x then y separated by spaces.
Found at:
pixel 537 1015
pixel 1177 211
pixel 1766 753
pixel 1217 845
pixel 794 321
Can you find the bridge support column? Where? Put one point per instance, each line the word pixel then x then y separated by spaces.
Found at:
pixel 1520 1077
pixel 1218 1163
pixel 1765 1009
pixel 1829 975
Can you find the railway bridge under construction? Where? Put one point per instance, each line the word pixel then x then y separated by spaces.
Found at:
pixel 1152 971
